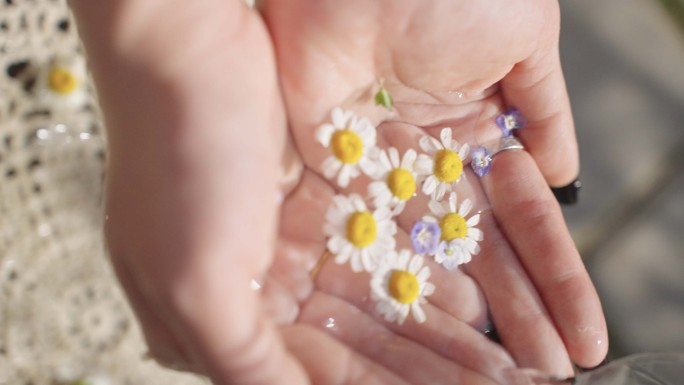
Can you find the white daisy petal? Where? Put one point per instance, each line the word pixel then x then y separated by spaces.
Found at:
pixel 356 262
pixel 428 289
pixel 403 313
pixel 429 219
pixel 357 202
pixel 368 166
pixel 466 206
pixel 394 157
pixel 384 161
pixel 472 247
pixel 340 117
pixel 475 233
pixel 436 208
pixel 382 214
pixel 409 158
pixel 324 133
pixel 445 136
pixel 440 190
pixel 424 274
pixel 399 208
pixel 330 167
pixel 453 202
pixel 464 151
pixel 415 264
pixel 430 185
pixel 424 164
pixel 335 244
pixel 418 313
pixel 474 220
pixel 343 255
pixel 367 260
pixel 430 144
pixel 344 176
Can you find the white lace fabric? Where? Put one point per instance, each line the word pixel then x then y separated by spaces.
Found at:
pixel 63 316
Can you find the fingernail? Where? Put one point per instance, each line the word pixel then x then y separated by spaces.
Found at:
pixel 604 362
pixel 569 194
pixel 492 334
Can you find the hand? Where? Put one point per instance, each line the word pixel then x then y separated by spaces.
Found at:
pixel 459 64
pixel 190 226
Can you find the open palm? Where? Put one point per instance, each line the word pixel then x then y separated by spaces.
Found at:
pixel 200 176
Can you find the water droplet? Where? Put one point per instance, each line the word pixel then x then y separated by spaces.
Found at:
pixel 254 285
pixel 330 323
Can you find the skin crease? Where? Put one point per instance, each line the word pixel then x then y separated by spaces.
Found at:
pixel 191 229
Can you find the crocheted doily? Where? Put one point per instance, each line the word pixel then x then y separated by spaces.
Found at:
pixel 63 317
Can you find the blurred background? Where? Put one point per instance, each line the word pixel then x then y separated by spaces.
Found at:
pixel 624 67
pixel 63 319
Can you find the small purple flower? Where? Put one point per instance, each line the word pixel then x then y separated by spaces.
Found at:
pixel 481 160
pixel 510 120
pixel 425 237
pixel 452 254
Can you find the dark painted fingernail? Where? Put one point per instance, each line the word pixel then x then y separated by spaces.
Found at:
pixel 492 334
pixel 569 194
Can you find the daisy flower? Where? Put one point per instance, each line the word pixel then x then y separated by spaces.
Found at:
pixel 399 285
pixel 62 83
pixel 358 235
pixel 460 237
pixel 443 163
pixel 351 141
pixel 396 182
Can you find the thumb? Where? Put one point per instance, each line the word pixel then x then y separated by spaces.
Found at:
pixel 537 88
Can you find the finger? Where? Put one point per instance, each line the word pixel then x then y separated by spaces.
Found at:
pixel 537 88
pixel 411 361
pixel 518 313
pixel 457 295
pixel 522 202
pixel 328 362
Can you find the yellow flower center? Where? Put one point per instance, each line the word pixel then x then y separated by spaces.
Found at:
pixel 453 226
pixel 62 81
pixel 361 229
pixel 448 166
pixel 347 146
pixel 401 183
pixel 404 286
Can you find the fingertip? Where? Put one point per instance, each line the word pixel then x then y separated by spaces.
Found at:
pixel 536 87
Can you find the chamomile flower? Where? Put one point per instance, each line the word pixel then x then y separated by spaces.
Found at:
pixel 396 182
pixel 351 140
pixel 399 285
pixel 357 234
pixel 443 163
pixel 460 237
pixel 62 83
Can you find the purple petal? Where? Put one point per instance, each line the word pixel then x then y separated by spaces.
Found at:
pixel 481 161
pixel 425 237
pixel 510 120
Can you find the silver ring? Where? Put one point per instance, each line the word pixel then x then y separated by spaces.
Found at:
pixel 481 157
pixel 507 143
